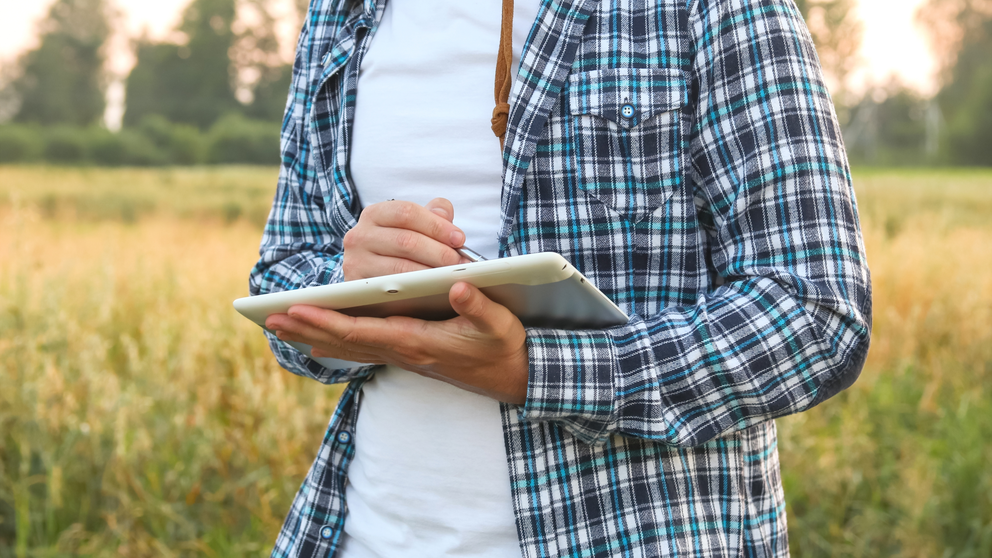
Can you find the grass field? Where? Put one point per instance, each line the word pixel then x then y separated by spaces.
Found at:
pixel 135 422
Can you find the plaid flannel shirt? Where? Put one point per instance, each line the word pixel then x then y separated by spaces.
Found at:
pixel 684 156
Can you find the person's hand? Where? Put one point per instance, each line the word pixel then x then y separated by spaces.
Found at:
pixel 398 236
pixel 482 350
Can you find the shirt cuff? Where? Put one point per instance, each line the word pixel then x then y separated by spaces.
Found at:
pixel 572 381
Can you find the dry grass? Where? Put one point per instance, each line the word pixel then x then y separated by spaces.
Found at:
pixel 141 416
pixel 901 464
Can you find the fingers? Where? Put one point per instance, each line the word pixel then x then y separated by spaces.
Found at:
pixel 412 217
pixel 396 250
pixel 333 328
pixel 483 350
pixel 323 349
pixel 326 331
pixel 399 236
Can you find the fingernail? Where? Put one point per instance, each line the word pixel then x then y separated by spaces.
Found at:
pixel 440 211
pixel 464 296
pixel 457 238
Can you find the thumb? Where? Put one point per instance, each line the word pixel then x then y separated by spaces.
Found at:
pixel 486 315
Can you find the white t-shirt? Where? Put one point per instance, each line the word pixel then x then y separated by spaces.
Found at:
pixel 430 477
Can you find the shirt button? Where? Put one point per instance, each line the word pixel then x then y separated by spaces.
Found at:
pixel 326 532
pixel 325 59
pixel 344 436
pixel 627 111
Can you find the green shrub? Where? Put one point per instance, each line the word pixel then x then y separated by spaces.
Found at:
pixel 179 144
pixel 125 148
pixel 155 141
pixel 66 145
pixel 20 144
pixel 235 139
pixel 105 148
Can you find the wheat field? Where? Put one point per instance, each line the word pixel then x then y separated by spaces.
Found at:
pixel 141 416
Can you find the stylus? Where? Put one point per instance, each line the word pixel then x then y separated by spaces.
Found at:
pixel 470 254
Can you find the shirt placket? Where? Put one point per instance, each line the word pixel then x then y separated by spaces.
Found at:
pixel 327 508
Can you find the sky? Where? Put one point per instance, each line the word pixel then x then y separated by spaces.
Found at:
pixel 893 45
pixel 19 18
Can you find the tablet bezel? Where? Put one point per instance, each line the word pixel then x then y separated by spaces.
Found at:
pixel 543 290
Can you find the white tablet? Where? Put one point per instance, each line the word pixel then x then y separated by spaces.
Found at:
pixel 543 290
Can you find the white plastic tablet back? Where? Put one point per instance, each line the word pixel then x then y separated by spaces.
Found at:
pixel 571 303
pixel 543 290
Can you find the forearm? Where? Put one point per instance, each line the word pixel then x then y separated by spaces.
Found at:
pixel 294 266
pixel 748 352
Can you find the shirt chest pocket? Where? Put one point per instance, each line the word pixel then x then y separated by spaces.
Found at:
pixel 628 136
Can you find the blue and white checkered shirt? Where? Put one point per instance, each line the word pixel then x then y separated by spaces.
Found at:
pixel 684 156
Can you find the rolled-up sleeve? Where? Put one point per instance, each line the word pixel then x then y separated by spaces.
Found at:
pixel 299 247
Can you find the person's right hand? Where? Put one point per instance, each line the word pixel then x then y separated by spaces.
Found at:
pixel 398 236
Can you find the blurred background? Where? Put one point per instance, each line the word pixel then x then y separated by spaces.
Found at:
pixel 141 416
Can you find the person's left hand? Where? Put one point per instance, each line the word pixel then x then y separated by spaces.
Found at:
pixel 482 350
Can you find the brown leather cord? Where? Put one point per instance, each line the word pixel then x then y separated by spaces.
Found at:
pixel 504 78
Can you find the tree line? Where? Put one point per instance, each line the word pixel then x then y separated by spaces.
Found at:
pixel 214 93
pixel 194 79
pixel 221 75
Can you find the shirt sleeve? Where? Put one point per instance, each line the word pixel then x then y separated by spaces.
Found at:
pixel 788 324
pixel 299 247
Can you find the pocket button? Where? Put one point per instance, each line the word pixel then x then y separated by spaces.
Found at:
pixel 627 111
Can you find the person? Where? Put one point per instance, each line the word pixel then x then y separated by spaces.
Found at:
pixel 683 155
